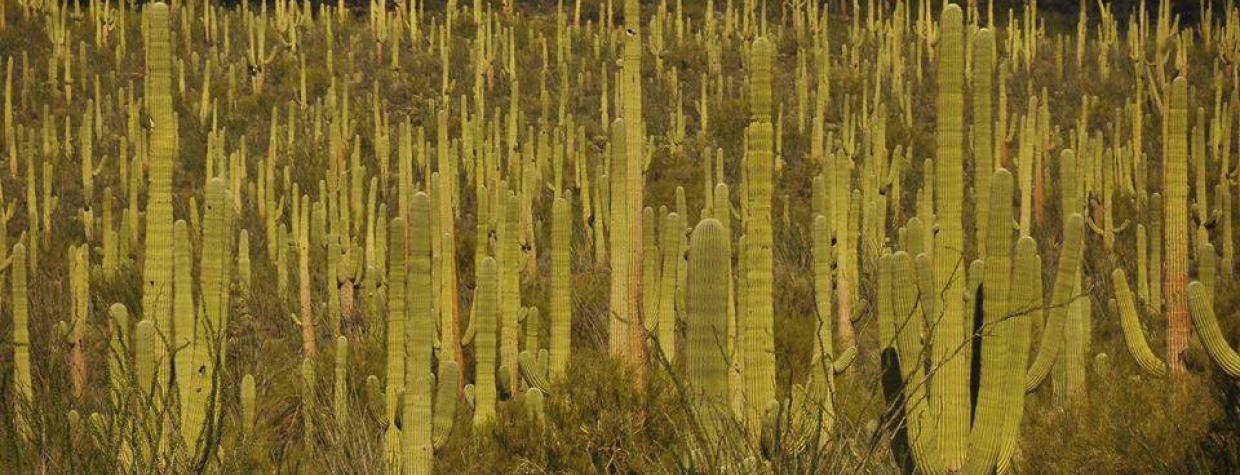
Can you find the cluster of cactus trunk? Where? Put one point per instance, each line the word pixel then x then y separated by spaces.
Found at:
pixel 311 220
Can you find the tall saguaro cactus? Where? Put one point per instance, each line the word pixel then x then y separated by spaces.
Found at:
pixel 633 175
pixel 157 264
pixel 197 411
pixel 1175 224
pixel 759 318
pixel 419 335
pixel 952 395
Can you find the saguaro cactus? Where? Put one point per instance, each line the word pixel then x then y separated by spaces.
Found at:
pixel 419 337
pixel 560 299
pixel 395 374
pixel 22 381
pixel 1201 306
pixel 952 395
pixel 482 334
pixel 509 293
pixel 706 323
pixel 1134 337
pixel 207 342
pixel 157 265
pixel 1003 337
pixel 759 317
pixel 1175 224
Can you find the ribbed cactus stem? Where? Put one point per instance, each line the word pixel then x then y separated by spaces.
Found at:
pixel 249 396
pixel 673 235
pixel 446 388
pixel 1134 337
pixel 419 337
pixel 510 290
pixel 395 338
pixel 983 123
pixel 650 268
pixel 1176 224
pixel 1026 303
pixel 79 269
pixel 1002 334
pixel 340 382
pixel 561 297
pixel 486 312
pixel 1207 267
pixel 118 361
pixel 1061 299
pixel 758 327
pixel 706 361
pixel 1201 307
pixel 22 377
pixel 157 268
pixel 953 393
pixel 824 346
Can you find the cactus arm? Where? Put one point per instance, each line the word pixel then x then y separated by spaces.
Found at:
pixel 533 373
pixel 1027 304
pixel 999 337
pixel 844 360
pixel 1061 298
pixel 1202 311
pixel 445 402
pixel 1134 338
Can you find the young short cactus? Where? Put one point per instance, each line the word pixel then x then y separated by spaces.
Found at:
pixel 249 395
